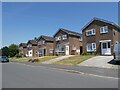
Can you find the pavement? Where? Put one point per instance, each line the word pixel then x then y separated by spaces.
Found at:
pixel 56 59
pixel 100 62
pixel 21 75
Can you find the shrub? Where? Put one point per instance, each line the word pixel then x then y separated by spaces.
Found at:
pixel 18 56
pixel 84 53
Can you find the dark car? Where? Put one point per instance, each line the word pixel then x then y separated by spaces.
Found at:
pixel 4 59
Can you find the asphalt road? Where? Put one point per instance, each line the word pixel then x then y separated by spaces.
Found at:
pixel 25 76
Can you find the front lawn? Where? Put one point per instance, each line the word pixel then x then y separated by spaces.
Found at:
pixel 44 58
pixel 23 59
pixel 40 59
pixel 74 60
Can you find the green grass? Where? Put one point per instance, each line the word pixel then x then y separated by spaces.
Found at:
pixel 23 59
pixel 74 60
pixel 40 59
pixel 44 58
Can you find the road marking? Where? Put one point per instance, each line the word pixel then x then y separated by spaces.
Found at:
pixel 71 71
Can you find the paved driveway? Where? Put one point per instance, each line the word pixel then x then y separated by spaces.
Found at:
pixel 56 59
pixel 99 61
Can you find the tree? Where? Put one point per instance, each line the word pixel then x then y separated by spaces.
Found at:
pixel 5 51
pixel 35 38
pixel 13 50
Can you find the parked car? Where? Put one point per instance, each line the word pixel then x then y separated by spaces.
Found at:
pixel 117 52
pixel 4 59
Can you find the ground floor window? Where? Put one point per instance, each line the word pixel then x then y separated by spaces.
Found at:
pixel 51 51
pixel 60 48
pixel 91 47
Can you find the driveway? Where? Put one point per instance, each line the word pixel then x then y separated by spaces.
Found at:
pixel 56 59
pixel 99 61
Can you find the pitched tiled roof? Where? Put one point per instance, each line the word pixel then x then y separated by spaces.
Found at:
pixel 69 32
pixel 47 38
pixel 32 42
pixel 23 44
pixel 102 20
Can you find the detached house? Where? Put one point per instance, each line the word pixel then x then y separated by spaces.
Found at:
pixel 45 46
pixel 32 48
pixel 67 42
pixel 23 49
pixel 99 36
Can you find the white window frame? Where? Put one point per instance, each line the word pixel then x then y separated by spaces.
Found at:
pixel 43 42
pixel 104 29
pixel 39 42
pixel 59 38
pixel 29 45
pixel 91 30
pixel 80 39
pixel 93 47
pixel 64 37
pixel 50 50
pixel 56 38
pixel 74 47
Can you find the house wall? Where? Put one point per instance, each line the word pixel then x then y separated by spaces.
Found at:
pixel 47 46
pixel 97 37
pixel 70 41
pixel 23 51
pixel 74 41
pixel 61 41
pixel 34 51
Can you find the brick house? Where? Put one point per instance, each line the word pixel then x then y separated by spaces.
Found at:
pixel 23 49
pixel 32 48
pixel 99 36
pixel 67 42
pixel 45 46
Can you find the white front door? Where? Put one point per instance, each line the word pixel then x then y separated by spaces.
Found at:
pixel 106 48
pixel 67 50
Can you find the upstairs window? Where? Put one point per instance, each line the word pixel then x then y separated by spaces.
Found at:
pixel 58 38
pixel 90 32
pixel 80 39
pixel 64 37
pixel 104 29
pixel 39 43
pixel 29 45
pixel 43 42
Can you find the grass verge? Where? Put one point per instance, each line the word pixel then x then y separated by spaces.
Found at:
pixel 74 60
pixel 40 59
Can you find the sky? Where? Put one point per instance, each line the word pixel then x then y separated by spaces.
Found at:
pixel 22 21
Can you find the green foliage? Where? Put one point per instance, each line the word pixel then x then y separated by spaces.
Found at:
pixel 35 38
pixel 13 50
pixel 5 51
pixel 85 53
pixel 18 56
